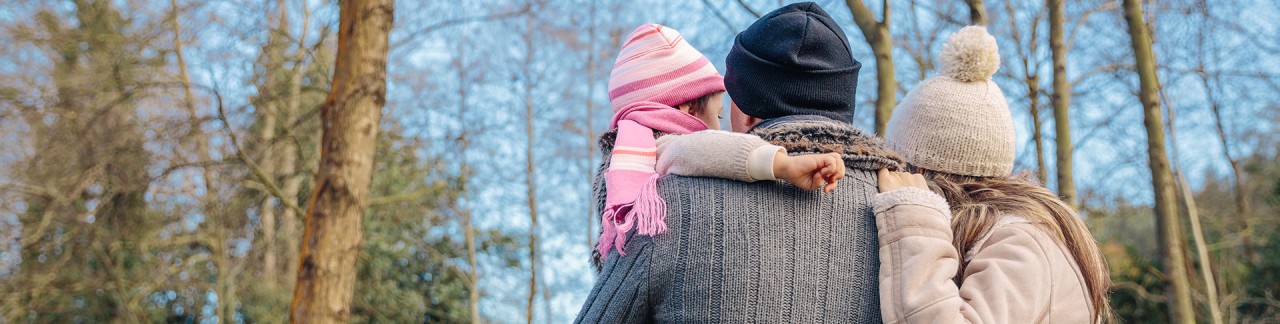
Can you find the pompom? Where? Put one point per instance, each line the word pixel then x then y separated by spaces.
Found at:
pixel 970 55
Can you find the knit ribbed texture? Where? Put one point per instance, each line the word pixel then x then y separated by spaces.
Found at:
pixel 763 252
pixel 951 125
pixel 657 64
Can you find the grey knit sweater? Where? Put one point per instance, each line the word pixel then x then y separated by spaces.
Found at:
pixel 761 252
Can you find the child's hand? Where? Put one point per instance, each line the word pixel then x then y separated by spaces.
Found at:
pixel 809 171
pixel 890 181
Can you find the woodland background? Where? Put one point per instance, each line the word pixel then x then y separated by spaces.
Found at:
pixel 157 157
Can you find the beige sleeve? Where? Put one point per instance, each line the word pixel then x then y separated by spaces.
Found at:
pixel 1006 282
pixel 717 154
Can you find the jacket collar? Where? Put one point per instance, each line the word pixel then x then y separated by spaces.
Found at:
pixel 818 134
pixel 812 134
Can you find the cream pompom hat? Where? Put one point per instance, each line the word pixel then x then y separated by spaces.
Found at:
pixel 958 122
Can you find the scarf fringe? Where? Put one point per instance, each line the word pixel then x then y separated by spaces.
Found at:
pixel 608 230
pixel 647 213
pixel 650 210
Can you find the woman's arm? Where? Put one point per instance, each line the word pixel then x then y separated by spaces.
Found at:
pixel 1006 282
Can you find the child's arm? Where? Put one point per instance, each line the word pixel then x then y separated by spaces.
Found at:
pixel 747 158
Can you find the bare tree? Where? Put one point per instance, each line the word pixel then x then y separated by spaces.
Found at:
pixel 472 276
pixel 1169 230
pixel 877 35
pixel 977 12
pixel 918 43
pixel 1061 100
pixel 530 183
pixel 589 167
pixel 1030 64
pixel 1242 192
pixel 351 112
pixel 1193 213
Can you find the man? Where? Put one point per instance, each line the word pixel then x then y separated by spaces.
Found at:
pixel 765 251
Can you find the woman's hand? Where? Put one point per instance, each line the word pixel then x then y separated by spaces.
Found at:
pixel 809 171
pixel 890 181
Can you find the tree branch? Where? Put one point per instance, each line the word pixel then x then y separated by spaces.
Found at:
pixel 864 18
pixel 1140 290
pixel 458 21
pixel 716 12
pixel 749 10
pixel 256 170
pixel 408 196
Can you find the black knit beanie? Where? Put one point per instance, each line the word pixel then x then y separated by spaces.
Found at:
pixel 793 61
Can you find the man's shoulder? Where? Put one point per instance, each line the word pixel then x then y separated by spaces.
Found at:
pixel 819 135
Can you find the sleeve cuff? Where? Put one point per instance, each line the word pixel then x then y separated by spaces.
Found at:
pixel 760 165
pixel 910 196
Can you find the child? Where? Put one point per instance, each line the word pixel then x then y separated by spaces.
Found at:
pixel 1007 250
pixel 661 85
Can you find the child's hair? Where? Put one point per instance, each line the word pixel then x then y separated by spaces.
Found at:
pixel 977 203
pixel 699 104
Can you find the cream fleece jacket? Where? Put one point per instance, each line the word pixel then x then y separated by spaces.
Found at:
pixel 1016 274
pixel 717 154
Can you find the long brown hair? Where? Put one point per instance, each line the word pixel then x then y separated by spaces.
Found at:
pixel 977 203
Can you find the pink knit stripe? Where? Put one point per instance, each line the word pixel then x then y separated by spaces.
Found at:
pixel 645 66
pixel 690 90
pixel 687 70
pixel 640 50
pixel 675 92
pixel 623 147
pixel 632 166
pixel 634 38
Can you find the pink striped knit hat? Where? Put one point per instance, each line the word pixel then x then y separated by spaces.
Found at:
pixel 655 71
pixel 656 64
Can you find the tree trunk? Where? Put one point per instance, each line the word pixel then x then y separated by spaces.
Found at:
pixel 977 12
pixel 209 200
pixel 877 35
pixel 591 133
pixel 1169 229
pixel 1037 136
pixel 1061 103
pixel 287 240
pixel 464 178
pixel 350 114
pixel 1243 209
pixel 1031 78
pixel 1202 251
pixel 530 184
pixel 1193 212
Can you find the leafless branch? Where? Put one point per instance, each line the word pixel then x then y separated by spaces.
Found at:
pixel 719 15
pixel 753 12
pixel 257 171
pixel 414 36
pixel 1138 289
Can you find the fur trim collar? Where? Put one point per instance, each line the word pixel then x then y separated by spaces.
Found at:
pixel 608 137
pixel 860 151
pixel 800 136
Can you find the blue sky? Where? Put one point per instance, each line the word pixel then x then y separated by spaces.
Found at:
pixel 1110 162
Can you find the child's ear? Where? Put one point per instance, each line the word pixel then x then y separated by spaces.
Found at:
pixel 685 108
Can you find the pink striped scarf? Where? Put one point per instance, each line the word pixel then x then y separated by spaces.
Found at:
pixel 632 200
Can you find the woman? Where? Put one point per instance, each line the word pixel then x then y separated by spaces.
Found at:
pixel 984 246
